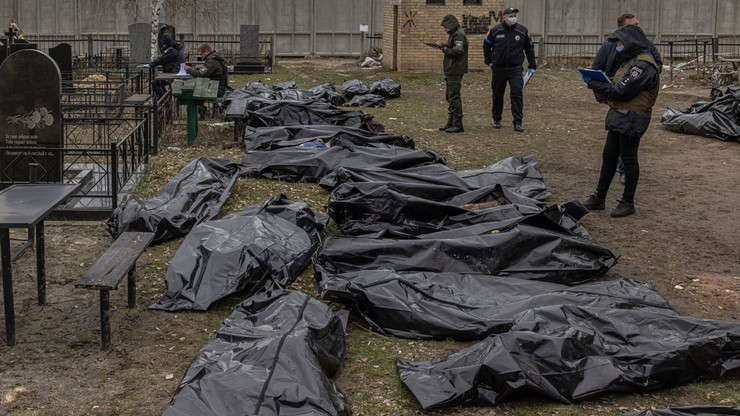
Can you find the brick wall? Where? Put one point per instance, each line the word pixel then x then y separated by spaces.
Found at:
pixel 418 22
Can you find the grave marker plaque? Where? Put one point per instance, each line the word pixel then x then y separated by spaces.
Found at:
pixel 62 55
pixel 30 117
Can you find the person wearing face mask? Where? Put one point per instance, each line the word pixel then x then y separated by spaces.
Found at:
pixel 631 98
pixel 609 59
pixel 503 51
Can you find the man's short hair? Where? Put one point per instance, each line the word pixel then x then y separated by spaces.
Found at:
pixel 623 18
pixel 204 48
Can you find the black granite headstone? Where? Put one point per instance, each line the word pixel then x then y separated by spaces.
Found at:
pixel 30 117
pixel 249 51
pixel 3 52
pixel 22 44
pixel 164 30
pixel 62 55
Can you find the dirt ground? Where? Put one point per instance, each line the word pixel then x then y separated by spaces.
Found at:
pixel 683 241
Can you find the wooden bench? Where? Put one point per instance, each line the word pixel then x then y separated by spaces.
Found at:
pixel 138 99
pixel 118 261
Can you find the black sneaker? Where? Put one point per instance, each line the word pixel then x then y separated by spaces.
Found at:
pixel 594 203
pixel 623 209
pixel 496 124
pixel 518 127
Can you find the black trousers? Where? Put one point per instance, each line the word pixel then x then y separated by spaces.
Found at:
pixel 498 87
pixel 454 101
pixel 619 145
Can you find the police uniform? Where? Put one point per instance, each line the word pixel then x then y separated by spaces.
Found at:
pixel 503 51
pixel 455 66
pixel 631 98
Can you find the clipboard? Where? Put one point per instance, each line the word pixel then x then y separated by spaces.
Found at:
pixel 433 45
pixel 595 74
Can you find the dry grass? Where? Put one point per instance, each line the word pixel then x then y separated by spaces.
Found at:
pixel 57 367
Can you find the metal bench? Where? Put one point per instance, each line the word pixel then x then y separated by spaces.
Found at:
pixel 118 261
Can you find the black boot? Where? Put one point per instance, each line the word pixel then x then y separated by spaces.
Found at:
pixel 449 123
pixel 623 209
pixel 457 126
pixel 594 203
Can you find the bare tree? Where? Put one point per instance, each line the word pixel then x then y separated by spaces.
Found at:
pixel 208 11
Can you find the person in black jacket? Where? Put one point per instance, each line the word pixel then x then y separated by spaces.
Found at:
pixel 631 97
pixel 455 66
pixel 503 51
pixel 170 61
pixel 608 59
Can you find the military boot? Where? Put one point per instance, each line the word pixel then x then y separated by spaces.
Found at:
pixel 457 125
pixel 449 123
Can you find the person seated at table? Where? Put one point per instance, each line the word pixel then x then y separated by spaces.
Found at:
pixel 170 60
pixel 214 67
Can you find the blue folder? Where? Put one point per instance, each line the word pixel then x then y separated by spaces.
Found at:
pixel 595 74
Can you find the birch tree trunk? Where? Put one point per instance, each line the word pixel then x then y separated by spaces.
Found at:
pixel 157 6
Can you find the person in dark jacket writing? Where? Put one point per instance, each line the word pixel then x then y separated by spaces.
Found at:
pixel 455 66
pixel 608 59
pixel 214 67
pixel 631 97
pixel 503 51
pixel 170 60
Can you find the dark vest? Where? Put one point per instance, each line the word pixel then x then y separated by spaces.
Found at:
pixel 643 103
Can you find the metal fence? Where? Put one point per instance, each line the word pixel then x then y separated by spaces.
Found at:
pixel 687 58
pixel 105 54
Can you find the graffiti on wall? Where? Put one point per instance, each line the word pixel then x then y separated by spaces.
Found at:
pixel 410 19
pixel 479 25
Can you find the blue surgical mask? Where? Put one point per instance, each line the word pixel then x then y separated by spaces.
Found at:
pixel 620 48
pixel 511 21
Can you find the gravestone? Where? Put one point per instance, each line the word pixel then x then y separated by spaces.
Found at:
pixel 62 55
pixel 30 117
pixel 140 44
pixel 3 52
pixel 249 51
pixel 164 30
pixel 22 44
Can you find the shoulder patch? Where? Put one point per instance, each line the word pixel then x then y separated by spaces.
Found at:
pixel 635 72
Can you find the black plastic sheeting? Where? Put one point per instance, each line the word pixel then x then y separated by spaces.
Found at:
pixel 271 138
pixel 719 118
pixel 537 247
pixel 275 355
pixel 424 305
pixel 407 209
pixel 294 113
pixel 194 195
pixel 704 410
pixel 354 87
pixel 519 174
pixel 303 164
pixel 387 88
pixel 570 353
pixel 220 257
pixel 367 100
